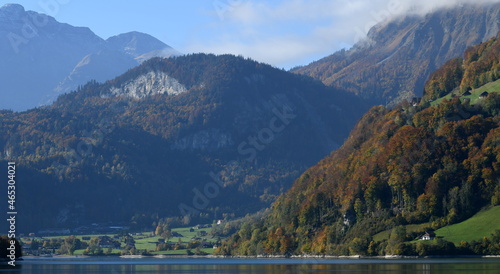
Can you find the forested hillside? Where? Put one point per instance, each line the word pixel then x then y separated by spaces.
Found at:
pixel 479 66
pixel 427 165
pixel 151 143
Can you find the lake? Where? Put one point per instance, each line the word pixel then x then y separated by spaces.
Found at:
pixel 117 265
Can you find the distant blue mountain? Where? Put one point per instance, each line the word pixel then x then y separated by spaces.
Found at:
pixel 43 58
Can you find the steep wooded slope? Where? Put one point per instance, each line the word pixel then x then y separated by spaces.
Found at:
pixel 429 165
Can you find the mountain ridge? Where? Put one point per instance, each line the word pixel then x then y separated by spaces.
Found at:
pixel 237 119
pixel 398 56
pixel 57 54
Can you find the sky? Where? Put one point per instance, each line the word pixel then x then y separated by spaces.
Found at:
pixel 283 33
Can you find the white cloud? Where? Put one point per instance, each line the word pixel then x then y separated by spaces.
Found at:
pixel 286 33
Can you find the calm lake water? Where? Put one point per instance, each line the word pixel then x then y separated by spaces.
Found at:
pixel 216 265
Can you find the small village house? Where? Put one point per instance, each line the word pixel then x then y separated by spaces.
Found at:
pixel 427 236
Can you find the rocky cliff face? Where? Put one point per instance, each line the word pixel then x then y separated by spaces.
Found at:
pixel 398 57
pixel 151 83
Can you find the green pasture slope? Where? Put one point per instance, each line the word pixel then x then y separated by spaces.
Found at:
pixel 483 224
pixel 478 226
pixel 384 235
pixel 474 97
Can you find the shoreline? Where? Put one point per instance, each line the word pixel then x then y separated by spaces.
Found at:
pixel 355 257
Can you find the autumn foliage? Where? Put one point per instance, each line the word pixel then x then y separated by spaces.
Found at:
pixel 407 165
pixel 480 65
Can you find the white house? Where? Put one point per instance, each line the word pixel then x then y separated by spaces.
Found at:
pixel 427 236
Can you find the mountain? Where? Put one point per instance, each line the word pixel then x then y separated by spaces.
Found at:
pixel 42 58
pixel 47 51
pixel 140 46
pixel 411 166
pixel 121 53
pixel 194 138
pixel 100 66
pixel 398 56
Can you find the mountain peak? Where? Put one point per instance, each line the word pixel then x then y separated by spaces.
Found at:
pixel 136 43
pixel 13 10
